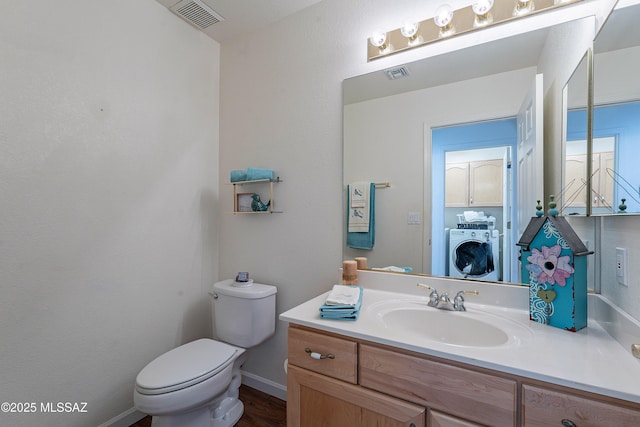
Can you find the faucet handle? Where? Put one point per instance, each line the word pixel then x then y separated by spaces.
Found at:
pixel 458 301
pixel 422 285
pixel 434 299
pixel 459 294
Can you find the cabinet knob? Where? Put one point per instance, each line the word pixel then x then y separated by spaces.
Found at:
pixel 568 423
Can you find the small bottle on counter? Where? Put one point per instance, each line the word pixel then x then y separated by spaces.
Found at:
pixel 349 272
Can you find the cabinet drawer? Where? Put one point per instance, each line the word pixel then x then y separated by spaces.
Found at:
pixel 438 419
pixel 342 366
pixel 543 407
pixel 470 395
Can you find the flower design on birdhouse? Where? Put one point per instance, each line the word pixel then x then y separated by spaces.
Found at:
pixel 549 266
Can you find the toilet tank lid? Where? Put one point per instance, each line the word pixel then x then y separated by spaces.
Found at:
pixel 254 291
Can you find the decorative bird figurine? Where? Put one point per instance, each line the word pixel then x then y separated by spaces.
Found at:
pixel 257 205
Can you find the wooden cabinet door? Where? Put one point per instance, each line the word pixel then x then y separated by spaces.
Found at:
pixel 456 185
pixel 314 400
pixel 485 183
pixel 477 183
pixel 605 180
pixel 548 408
pixel 602 181
pixel 575 178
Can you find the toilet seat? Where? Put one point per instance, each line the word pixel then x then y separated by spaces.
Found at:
pixel 185 366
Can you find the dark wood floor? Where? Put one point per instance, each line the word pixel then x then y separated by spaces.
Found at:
pixel 260 410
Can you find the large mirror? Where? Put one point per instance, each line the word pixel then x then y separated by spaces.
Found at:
pixel 616 115
pixel 447 140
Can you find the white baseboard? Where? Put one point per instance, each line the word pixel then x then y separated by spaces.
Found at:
pixel 125 419
pixel 264 385
pixel 251 380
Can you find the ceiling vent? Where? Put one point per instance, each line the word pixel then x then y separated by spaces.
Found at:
pixel 196 13
pixel 397 73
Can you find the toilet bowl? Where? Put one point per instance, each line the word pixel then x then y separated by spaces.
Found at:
pixel 196 384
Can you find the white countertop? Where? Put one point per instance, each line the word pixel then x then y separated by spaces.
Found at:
pixel 590 359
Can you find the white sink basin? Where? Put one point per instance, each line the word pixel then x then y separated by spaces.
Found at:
pixel 417 321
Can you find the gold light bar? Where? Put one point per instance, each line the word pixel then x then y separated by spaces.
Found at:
pixel 463 22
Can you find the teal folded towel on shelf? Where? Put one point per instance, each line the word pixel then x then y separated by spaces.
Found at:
pixel 257 173
pixel 342 303
pixel 238 175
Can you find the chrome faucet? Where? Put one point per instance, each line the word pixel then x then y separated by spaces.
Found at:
pixel 458 301
pixel 443 302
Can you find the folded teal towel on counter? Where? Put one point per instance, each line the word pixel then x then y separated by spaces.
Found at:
pixel 238 175
pixel 340 316
pixel 257 173
pixel 342 311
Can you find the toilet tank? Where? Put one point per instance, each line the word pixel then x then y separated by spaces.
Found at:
pixel 243 314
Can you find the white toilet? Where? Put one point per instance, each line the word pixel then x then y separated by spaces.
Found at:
pixel 196 384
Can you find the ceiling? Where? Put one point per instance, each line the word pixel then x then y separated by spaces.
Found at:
pixel 481 60
pixel 620 30
pixel 242 16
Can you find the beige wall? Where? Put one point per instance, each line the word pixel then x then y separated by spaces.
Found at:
pixel 109 193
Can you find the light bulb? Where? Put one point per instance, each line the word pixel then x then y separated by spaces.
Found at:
pixel 379 40
pixel 409 29
pixel 444 15
pixel 482 7
pixel 443 18
pixel 482 10
pixel 523 7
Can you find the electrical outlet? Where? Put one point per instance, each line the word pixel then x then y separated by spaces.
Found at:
pixel 621 266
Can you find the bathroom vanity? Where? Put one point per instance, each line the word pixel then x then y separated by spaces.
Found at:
pixel 378 371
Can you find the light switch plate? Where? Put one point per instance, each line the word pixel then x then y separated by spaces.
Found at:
pixel 414 218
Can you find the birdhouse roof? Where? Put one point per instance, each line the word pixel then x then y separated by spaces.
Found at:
pixel 560 223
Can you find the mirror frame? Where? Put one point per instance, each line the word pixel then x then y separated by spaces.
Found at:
pixel 588 108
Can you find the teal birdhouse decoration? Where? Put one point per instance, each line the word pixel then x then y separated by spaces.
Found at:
pixel 554 265
pixel 257 205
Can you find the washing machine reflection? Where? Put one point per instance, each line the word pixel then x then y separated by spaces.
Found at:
pixel 474 254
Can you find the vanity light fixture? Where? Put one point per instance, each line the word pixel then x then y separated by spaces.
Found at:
pixel 482 10
pixel 447 22
pixel 443 20
pixel 524 7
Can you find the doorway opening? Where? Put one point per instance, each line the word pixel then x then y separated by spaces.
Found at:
pixel 473 178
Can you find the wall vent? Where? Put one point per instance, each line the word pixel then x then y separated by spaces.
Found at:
pixel 196 13
pixel 397 73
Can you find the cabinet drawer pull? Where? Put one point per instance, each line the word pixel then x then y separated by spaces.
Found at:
pixel 568 423
pixel 318 356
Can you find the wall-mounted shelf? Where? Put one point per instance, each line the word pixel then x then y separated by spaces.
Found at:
pixel 242 200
